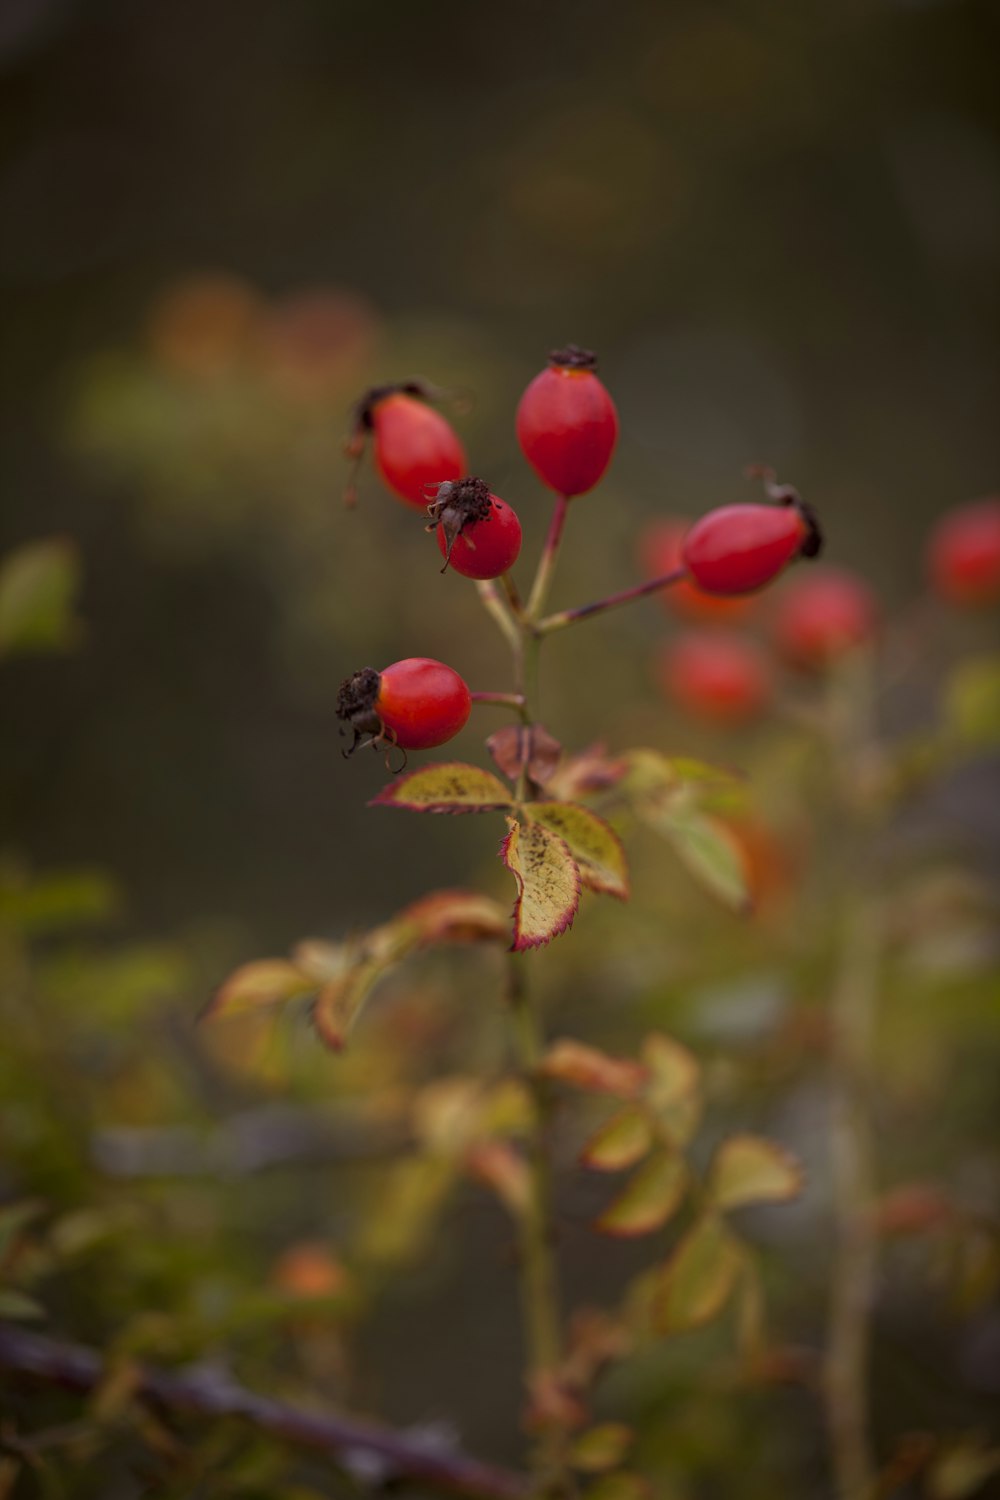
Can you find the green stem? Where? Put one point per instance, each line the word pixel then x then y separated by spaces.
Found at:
pixel 539 1281
pixel 497 610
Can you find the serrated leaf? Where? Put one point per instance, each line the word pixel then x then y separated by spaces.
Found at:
pixel 709 851
pixel 602 1447
pixel 648 1198
pixel 594 845
pixel 589 1068
pixel 749 1169
pixel 698 1278
pixel 257 985
pixel 548 883
pixel 620 1142
pixel 38 585
pixel 972 702
pixel 447 787
pixel 673 1086
pixel 17 1306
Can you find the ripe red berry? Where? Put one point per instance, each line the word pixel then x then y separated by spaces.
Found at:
pixel 739 548
pixel 415 447
pixel 478 533
pixel 717 676
pixel 660 546
pixel 416 703
pixel 822 617
pixel 963 554
pixel 567 424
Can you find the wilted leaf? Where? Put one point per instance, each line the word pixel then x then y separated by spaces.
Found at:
pixel 548 883
pixel 648 1199
pixel 698 1278
pixel 588 1068
pixel 594 845
pixel 456 917
pixel 710 851
pixel 749 1169
pixel 448 787
pixel 673 1088
pixel 254 986
pixel 602 1447
pixel 38 585
pixel 590 771
pixel 525 747
pixel 972 702
pixel 620 1142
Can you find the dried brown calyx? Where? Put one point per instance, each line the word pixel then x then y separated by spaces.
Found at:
pixel 787 494
pixel 572 357
pixel 458 504
pixel 356 701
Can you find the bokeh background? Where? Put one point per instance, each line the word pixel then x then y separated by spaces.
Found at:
pixel 778 224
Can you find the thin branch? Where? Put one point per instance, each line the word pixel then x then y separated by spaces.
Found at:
pixel 547 561
pixel 584 611
pixel 500 700
pixel 365 1448
pixel 497 610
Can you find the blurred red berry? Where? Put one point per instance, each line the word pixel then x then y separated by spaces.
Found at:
pixel 822 616
pixel 567 424
pixel 963 554
pixel 660 545
pixel 415 447
pixel 417 703
pixel 739 548
pixel 478 533
pixel 717 675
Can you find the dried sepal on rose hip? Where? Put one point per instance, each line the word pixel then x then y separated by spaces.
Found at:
pixel 415 704
pixel 478 533
pixel 414 446
pixel 963 555
pixel 739 548
pixel 567 424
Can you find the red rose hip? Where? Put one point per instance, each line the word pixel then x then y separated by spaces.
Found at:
pixel 717 675
pixel 478 533
pixel 963 554
pixel 567 424
pixel 659 553
pixel 739 548
pixel 822 617
pixel 416 703
pixel 414 446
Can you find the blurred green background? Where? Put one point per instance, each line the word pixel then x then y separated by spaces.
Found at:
pixel 779 225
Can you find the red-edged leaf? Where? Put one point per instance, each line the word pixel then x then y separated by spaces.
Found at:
pixel 525 747
pixel 447 787
pixel 698 1277
pixel 498 1166
pixel 749 1169
pixel 548 883
pixel 593 843
pixel 254 986
pixel 673 1090
pixel 588 1068
pixel 339 1002
pixel 620 1142
pixel 456 917
pixel 648 1198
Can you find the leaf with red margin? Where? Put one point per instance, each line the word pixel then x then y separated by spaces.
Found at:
pixel 456 917
pixel 620 1142
pixel 698 1278
pixel 548 883
pixel 750 1169
pixel 588 1068
pixel 447 787
pixel 258 985
pixel 594 845
pixel 339 1002
pixel 648 1199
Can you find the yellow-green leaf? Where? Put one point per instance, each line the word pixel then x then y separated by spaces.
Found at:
pixel 38 585
pixel 601 1447
pixel 621 1486
pixel 972 701
pixel 648 1198
pixel 593 843
pixel 447 787
pixel 673 1087
pixel 589 1068
pixel 339 1002
pixel 749 1169
pixel 254 986
pixel 698 1278
pixel 548 883
pixel 620 1142
pixel 709 851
